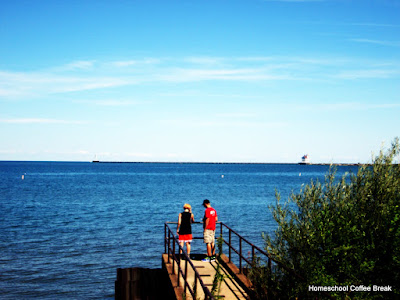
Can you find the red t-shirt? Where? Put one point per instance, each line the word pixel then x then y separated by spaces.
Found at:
pixel 211 214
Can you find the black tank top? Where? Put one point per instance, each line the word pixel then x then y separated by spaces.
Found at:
pixel 186 225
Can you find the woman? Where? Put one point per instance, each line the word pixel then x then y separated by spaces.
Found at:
pixel 184 229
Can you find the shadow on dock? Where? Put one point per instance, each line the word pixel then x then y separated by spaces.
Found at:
pixel 143 284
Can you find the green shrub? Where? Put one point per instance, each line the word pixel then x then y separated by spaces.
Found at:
pixel 342 232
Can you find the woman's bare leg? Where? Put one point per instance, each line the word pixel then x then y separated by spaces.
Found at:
pixel 181 243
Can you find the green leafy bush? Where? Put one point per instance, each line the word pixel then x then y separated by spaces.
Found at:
pixel 343 232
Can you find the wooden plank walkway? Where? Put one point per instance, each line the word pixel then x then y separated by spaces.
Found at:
pixel 232 287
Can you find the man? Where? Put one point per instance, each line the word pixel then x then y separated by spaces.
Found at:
pixel 209 221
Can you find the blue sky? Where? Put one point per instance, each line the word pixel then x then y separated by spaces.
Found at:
pixel 207 81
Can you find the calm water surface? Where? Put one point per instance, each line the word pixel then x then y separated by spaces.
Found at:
pixel 66 227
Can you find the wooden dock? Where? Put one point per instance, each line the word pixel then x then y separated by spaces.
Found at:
pixel 191 278
pixel 182 277
pixel 232 284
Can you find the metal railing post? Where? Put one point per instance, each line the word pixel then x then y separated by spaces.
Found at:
pixel 179 264
pixel 240 255
pixel 173 259
pixel 165 238
pixel 230 245
pixel 195 286
pixel 186 266
pixel 169 246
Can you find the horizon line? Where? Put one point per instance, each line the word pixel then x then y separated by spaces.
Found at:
pixel 188 162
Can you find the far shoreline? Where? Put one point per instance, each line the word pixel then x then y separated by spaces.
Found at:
pixel 228 163
pixel 183 162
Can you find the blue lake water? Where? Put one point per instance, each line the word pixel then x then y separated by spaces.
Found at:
pixel 66 227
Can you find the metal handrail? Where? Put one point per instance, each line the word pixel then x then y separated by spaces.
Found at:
pixel 253 254
pixel 168 237
pixel 239 252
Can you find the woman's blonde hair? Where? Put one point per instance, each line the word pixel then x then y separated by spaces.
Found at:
pixel 187 206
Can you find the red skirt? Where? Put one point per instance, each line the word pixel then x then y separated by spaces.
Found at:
pixel 185 237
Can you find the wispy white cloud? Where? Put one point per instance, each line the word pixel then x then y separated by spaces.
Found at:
pixel 135 62
pixel 94 75
pixel 204 60
pixel 256 58
pixel 236 115
pixel 73 66
pixel 207 95
pixel 99 76
pixel 367 74
pixel 34 84
pixel 79 65
pixel 40 121
pixel 112 102
pixel 232 74
pixel 346 106
pixel 377 42
pixel 126 63
pixel 216 123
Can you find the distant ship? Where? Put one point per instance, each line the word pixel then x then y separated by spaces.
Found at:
pixel 305 160
pixel 95 159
